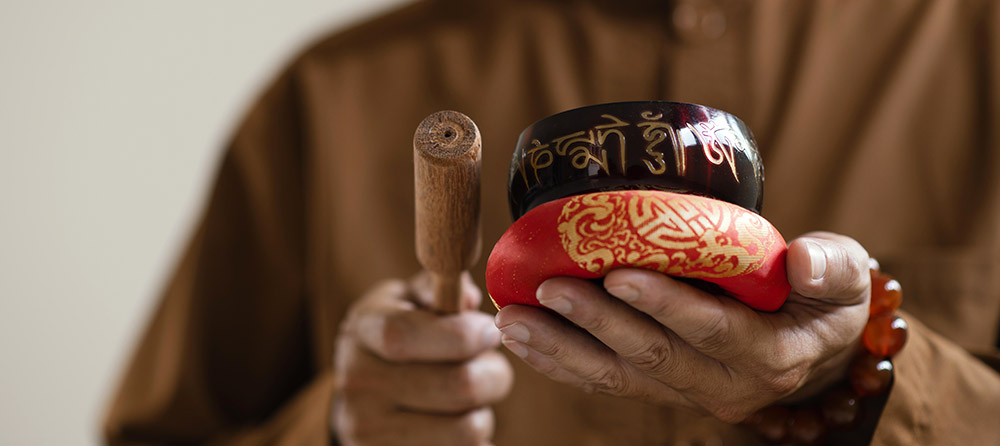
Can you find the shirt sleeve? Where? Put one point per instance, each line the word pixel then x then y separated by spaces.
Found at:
pixel 942 394
pixel 234 315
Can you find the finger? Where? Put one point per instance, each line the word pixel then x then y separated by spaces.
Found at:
pixel 368 384
pixel 359 425
pixel 550 368
pixel 422 289
pixel 420 335
pixel 717 326
pixel 830 268
pixel 633 335
pixel 566 350
pixel 387 293
pixel 451 388
pixel 769 354
pixel 541 363
pixel 395 330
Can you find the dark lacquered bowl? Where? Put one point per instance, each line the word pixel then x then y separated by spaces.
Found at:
pixel 652 145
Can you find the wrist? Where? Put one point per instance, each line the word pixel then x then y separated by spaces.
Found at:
pixel 832 372
pixel 847 411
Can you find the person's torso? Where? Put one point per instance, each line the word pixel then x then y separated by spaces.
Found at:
pixel 869 119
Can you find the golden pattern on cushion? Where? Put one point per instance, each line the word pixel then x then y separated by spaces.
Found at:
pixel 671 233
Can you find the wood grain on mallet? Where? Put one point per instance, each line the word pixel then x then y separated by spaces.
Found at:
pixel 447 158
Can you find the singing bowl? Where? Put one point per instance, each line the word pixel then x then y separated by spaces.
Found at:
pixel 671 187
pixel 668 146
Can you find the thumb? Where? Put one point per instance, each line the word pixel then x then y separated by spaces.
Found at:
pixel 829 267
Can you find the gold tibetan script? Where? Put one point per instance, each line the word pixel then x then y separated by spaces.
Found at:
pixel 586 148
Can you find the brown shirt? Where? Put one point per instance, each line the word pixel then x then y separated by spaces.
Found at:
pixel 875 119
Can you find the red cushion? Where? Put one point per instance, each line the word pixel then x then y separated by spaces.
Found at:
pixel 586 236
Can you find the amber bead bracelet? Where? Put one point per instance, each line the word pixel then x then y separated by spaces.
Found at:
pixel 870 375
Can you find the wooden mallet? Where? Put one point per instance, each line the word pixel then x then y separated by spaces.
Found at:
pixel 447 159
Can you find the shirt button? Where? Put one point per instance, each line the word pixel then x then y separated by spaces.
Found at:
pixel 698 20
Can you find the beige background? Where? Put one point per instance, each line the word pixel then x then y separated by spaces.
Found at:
pixel 112 114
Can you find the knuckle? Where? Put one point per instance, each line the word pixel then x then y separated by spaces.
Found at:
pixel 396 288
pixel 465 388
pixel 783 383
pixel 385 291
pixel 613 380
pixel 712 336
pixel 781 374
pixel 847 270
pixel 467 335
pixel 419 282
pixel 652 358
pixel 657 359
pixel 853 277
pixel 393 335
pixel 355 318
pixel 559 357
pixel 774 378
pixel 552 350
pixel 475 426
pixel 600 324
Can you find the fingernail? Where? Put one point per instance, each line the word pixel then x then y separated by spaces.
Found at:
pixel 517 332
pixel 628 293
pixel 817 259
pixel 515 347
pixel 558 303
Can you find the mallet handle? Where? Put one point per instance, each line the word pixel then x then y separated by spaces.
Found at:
pixel 447 159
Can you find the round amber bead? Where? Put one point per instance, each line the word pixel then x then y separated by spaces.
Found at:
pixel 873 265
pixel 806 427
pixel 887 294
pixel 771 423
pixel 885 335
pixel 870 375
pixel 841 407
